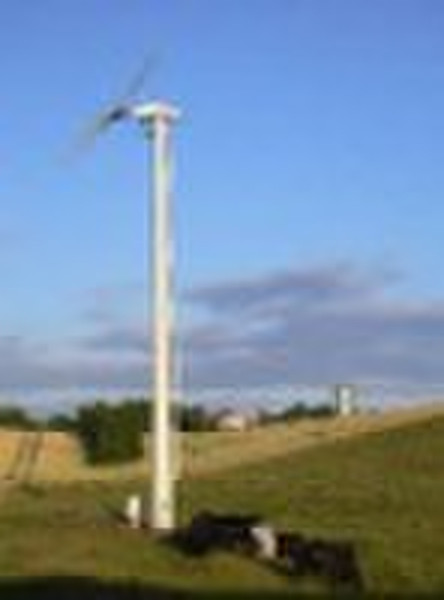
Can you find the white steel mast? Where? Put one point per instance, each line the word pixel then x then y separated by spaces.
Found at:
pixel 157 118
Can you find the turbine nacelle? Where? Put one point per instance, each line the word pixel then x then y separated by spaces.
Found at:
pixel 155 110
pixel 149 111
pixel 146 114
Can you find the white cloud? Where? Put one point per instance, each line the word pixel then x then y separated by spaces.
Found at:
pixel 308 326
pixel 315 326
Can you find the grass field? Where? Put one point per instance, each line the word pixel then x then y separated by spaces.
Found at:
pixel 383 490
pixel 60 459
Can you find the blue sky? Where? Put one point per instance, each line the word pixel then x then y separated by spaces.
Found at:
pixel 308 196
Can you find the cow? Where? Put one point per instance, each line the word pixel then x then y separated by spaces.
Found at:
pixel 208 531
pixel 332 560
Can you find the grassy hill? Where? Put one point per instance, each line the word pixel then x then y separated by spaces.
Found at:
pixel 383 490
pixel 59 458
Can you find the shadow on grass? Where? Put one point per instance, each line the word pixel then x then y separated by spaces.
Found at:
pixel 83 588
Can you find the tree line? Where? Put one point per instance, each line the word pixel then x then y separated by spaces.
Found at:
pixel 114 433
pixel 109 433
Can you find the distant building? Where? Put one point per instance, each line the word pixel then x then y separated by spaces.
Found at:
pixel 346 399
pixel 231 420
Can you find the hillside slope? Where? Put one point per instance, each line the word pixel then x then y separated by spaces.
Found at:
pixel 384 492
pixel 59 458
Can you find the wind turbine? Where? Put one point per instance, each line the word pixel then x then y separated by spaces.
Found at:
pixel 156 119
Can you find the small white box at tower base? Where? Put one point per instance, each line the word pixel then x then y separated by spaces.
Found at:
pixel 133 511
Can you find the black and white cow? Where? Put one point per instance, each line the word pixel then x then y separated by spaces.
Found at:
pixel 293 553
pixel 209 531
pixel 333 560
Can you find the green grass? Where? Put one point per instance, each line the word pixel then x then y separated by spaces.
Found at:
pixel 383 491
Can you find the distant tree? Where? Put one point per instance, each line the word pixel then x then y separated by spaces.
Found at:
pixel 61 422
pixel 265 417
pixel 301 410
pixel 322 410
pixel 111 434
pixel 114 433
pixel 195 418
pixel 16 418
pixel 297 410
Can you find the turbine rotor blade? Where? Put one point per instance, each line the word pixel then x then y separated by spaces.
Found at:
pixel 136 83
pixel 115 112
pixel 94 129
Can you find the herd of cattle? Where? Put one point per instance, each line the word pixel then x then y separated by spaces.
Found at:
pixel 291 553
